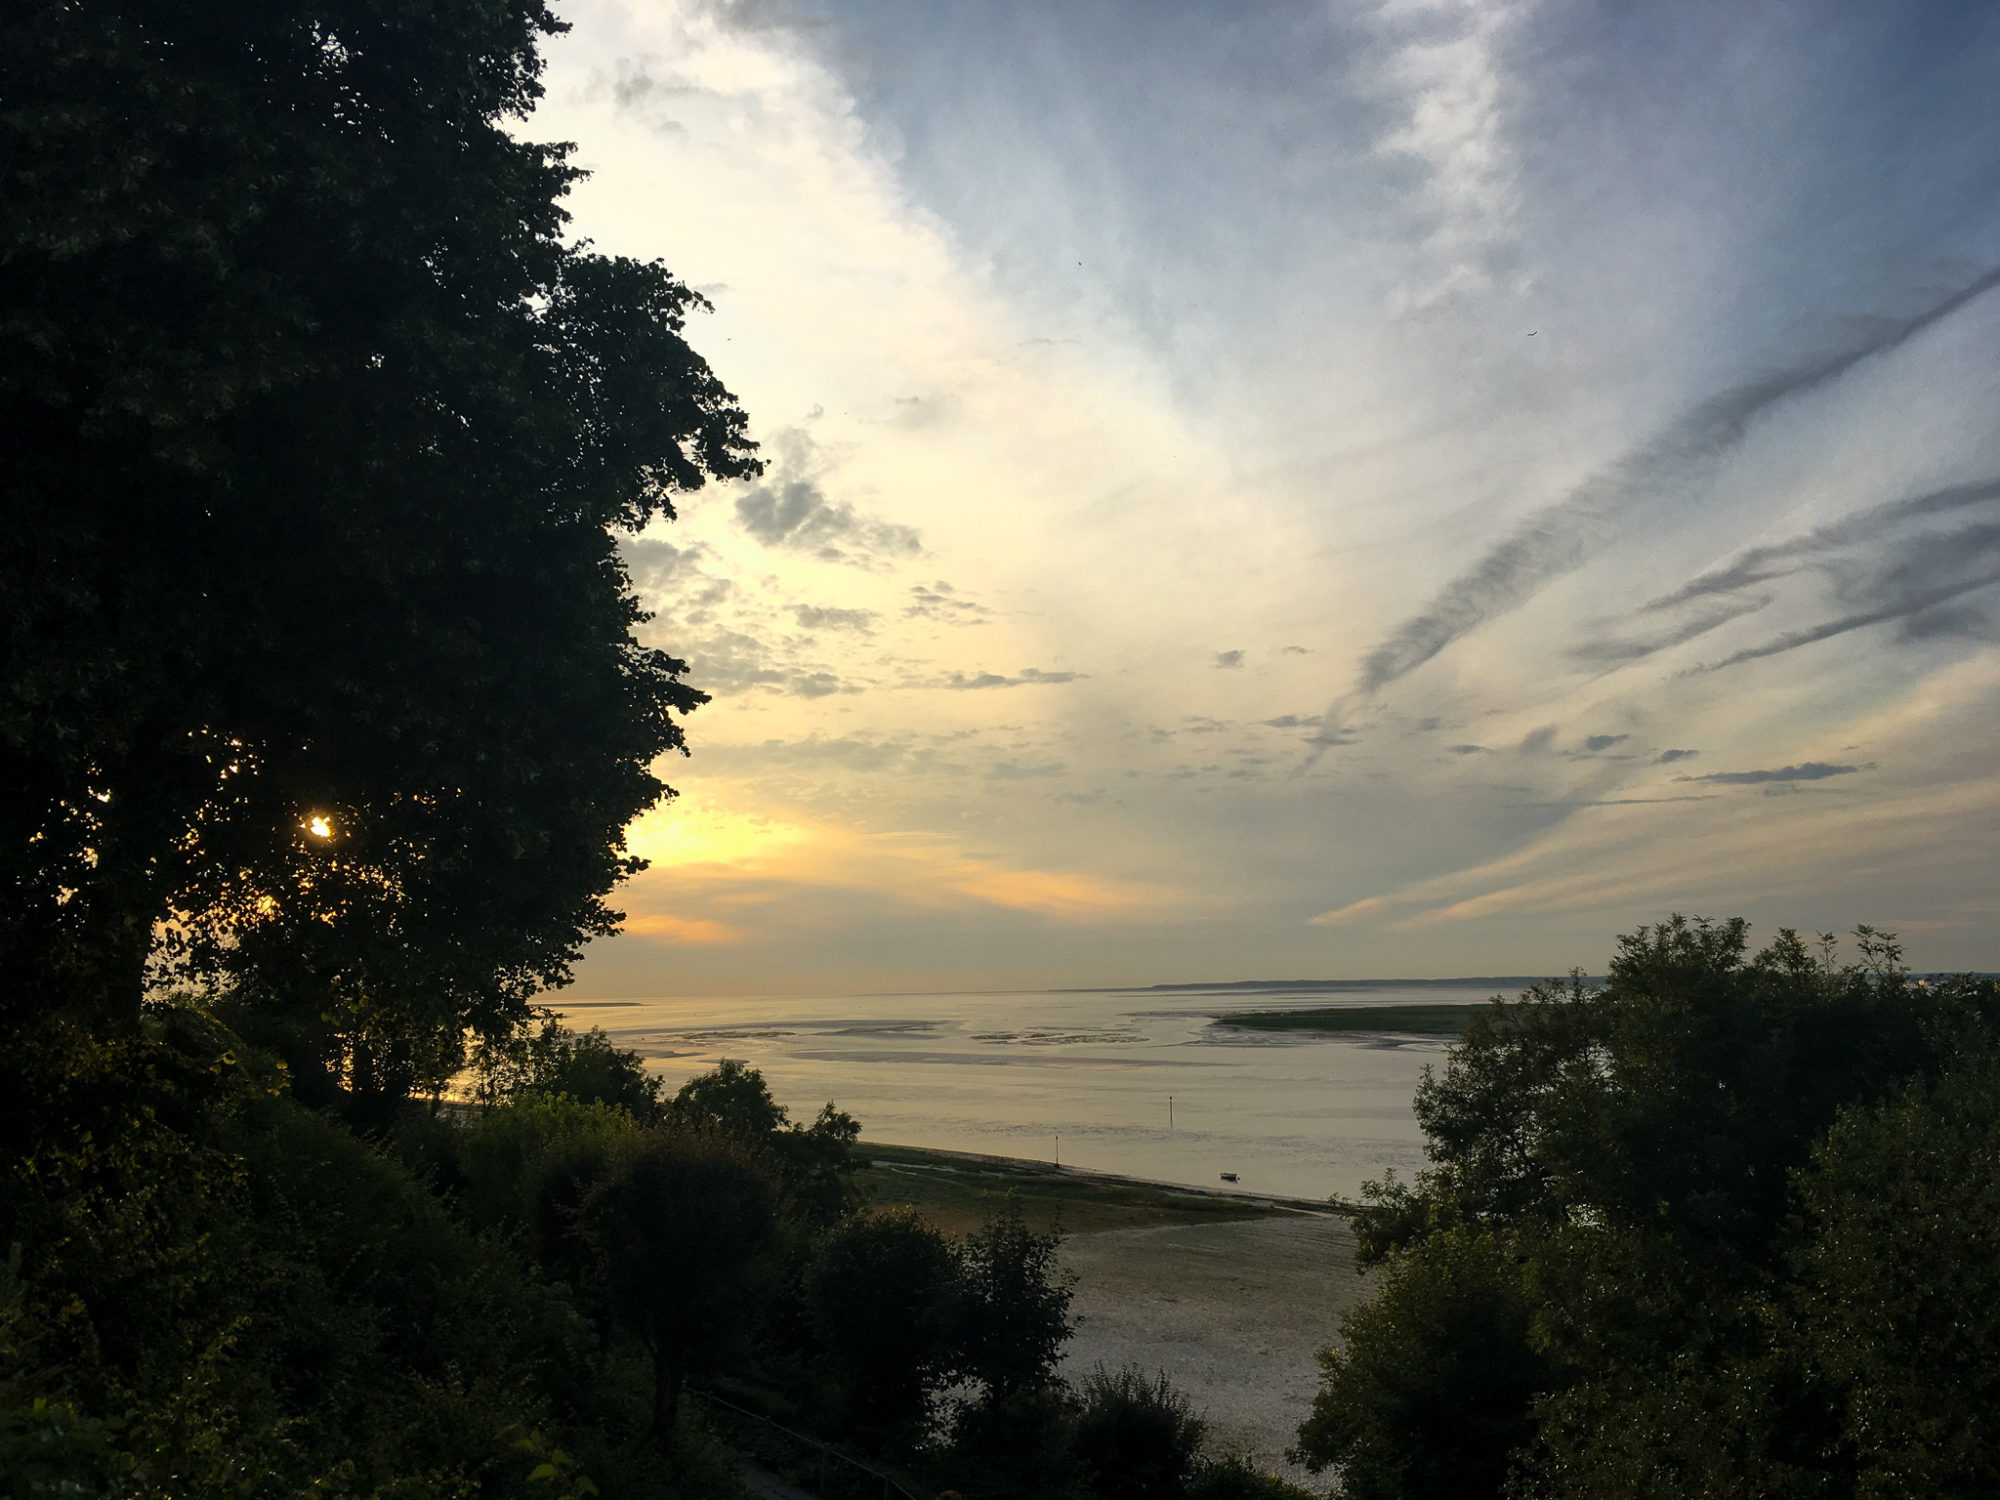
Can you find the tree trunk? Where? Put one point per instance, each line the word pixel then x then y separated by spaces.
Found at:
pixel 667 1382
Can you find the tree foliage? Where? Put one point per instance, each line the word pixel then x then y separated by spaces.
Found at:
pixel 1442 1351
pixel 684 1227
pixel 1900 1273
pixel 1136 1438
pixel 814 1161
pixel 318 649
pixel 552 1060
pixel 1603 1283
pixel 1016 1307
pixel 884 1295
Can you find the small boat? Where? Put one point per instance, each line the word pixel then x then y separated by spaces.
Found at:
pixel 1228 1176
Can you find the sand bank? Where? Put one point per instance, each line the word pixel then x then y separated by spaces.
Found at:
pixel 1232 1312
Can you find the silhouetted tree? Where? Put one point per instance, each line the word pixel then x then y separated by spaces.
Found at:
pixel 815 1161
pixel 1591 1288
pixel 683 1227
pixel 1431 1388
pixel 883 1291
pixel 1900 1274
pixel 554 1060
pixel 1015 1316
pixel 317 642
pixel 733 1098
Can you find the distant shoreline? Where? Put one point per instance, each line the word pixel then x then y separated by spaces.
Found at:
pixel 1347 1020
pixel 959 1190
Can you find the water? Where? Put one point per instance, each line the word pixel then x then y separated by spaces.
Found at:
pixel 1084 1077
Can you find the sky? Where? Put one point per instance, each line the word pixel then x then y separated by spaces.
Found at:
pixel 1284 491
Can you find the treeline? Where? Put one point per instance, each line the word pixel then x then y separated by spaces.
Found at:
pixel 1727 1225
pixel 213 1288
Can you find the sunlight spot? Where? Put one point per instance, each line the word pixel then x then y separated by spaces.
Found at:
pixel 319 827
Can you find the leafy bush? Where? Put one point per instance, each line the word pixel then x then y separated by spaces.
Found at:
pixel 1136 1439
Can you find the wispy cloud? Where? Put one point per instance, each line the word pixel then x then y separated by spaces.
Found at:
pixel 1560 537
pixel 820 617
pixel 1756 565
pixel 941 602
pixel 1911 585
pixel 1811 770
pixel 1029 677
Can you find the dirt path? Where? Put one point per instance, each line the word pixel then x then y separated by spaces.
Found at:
pixel 1233 1313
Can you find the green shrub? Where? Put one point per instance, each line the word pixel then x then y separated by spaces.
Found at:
pixel 1136 1439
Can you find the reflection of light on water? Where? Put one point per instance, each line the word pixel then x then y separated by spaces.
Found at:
pixel 1292 1113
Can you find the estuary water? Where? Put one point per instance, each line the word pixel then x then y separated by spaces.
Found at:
pixel 1142 1082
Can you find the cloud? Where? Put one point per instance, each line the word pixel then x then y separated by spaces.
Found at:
pixel 790 510
pixel 1616 651
pixel 1812 770
pixel 1668 757
pixel 1598 743
pixel 1354 911
pixel 1468 750
pixel 1292 721
pixel 1885 577
pixel 1560 537
pixel 1030 677
pixel 1330 738
pixel 1615 801
pixel 818 617
pixel 1761 564
pixel 729 661
pixel 663 927
pixel 1456 97
pixel 848 752
pixel 665 575
pixel 1538 741
pixel 1008 770
pixel 1227 659
pixel 1907 583
pixel 941 602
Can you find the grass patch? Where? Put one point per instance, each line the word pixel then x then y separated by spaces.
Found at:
pixel 1409 1020
pixel 958 1191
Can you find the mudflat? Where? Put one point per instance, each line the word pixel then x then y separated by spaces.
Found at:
pixel 960 1190
pixel 1231 1295
pixel 1233 1313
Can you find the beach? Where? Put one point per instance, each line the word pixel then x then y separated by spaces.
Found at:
pixel 1230 1295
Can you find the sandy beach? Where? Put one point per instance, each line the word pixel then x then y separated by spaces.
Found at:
pixel 1230 1294
pixel 1232 1312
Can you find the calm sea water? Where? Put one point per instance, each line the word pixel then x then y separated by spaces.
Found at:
pixel 1138 1082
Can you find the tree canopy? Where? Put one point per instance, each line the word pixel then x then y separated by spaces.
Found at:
pixel 320 666
pixel 1671 1243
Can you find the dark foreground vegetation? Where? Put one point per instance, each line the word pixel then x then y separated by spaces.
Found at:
pixel 214 1289
pixel 1724 1225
